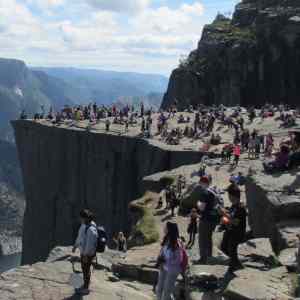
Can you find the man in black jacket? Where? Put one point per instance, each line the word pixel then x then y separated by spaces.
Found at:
pixel 234 221
pixel 208 220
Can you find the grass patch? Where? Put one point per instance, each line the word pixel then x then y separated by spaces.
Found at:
pixel 167 180
pixel 295 282
pixel 224 29
pixel 145 231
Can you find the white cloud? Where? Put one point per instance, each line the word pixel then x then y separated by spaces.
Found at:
pixel 46 4
pixel 150 41
pixel 131 6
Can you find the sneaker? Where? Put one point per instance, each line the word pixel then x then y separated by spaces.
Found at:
pixel 235 268
pixel 82 291
pixel 201 261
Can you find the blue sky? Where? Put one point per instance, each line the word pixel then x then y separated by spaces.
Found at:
pixel 146 36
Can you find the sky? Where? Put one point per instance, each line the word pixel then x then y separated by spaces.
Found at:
pixel 148 36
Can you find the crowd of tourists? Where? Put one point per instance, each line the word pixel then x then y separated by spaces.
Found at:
pixel 209 213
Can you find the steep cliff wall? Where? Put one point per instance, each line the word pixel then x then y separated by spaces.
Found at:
pixel 249 60
pixel 66 170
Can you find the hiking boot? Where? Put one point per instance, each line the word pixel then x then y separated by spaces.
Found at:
pixel 201 261
pixel 235 268
pixel 82 291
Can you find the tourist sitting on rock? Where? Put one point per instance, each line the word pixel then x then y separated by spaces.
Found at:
pixel 181 119
pixel 173 138
pixel 234 223
pixel 121 242
pixel 281 161
pixel 289 121
pixel 192 228
pixel 215 139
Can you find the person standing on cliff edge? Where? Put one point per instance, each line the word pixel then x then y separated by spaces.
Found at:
pixel 87 244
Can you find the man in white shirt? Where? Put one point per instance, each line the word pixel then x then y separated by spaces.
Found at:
pixel 87 244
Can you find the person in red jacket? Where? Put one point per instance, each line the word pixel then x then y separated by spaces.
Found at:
pixel 237 154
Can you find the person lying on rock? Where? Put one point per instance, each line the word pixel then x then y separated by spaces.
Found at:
pixel 87 244
pixel 234 223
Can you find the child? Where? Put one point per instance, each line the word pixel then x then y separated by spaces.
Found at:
pixel 192 227
pixel 234 221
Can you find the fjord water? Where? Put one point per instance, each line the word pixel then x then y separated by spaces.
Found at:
pixel 8 262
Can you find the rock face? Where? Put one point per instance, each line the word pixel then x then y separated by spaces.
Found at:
pixel 12 202
pixel 274 213
pixel 250 59
pixel 66 170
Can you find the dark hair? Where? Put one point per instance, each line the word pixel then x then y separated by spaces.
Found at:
pixel 173 236
pixel 166 237
pixel 86 215
pixel 234 190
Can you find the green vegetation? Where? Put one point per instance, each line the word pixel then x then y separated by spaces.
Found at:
pixel 167 180
pixel 224 29
pixel 145 230
pixel 295 284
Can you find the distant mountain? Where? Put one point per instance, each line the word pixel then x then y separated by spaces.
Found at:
pixel 23 88
pixel 106 87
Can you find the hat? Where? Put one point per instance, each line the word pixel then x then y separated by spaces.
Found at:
pixel 204 179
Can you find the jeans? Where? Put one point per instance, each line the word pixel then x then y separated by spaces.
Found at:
pixel 205 233
pixel 230 247
pixel 166 284
pixel 86 270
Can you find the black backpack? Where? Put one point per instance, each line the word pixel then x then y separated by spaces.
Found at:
pixel 102 239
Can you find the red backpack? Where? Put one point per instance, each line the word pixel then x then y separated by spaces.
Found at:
pixel 184 259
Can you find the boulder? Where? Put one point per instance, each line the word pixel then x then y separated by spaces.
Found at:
pixel 135 272
pixel 288 258
pixel 258 252
pixel 251 284
pixel 57 280
pixel 204 280
pixel 285 234
pixel 273 214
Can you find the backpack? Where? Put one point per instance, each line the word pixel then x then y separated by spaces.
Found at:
pixel 102 239
pixel 218 203
pixel 184 259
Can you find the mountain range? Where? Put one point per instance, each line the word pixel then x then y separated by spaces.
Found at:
pixel 24 88
pixel 27 88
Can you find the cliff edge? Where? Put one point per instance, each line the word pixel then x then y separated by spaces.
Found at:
pixel 65 170
pixel 248 60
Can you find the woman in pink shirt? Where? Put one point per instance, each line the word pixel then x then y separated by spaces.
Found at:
pixel 236 153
